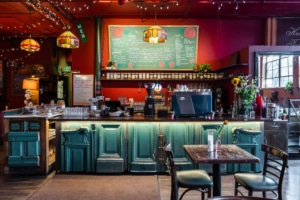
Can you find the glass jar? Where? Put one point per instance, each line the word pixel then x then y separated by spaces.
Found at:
pixel 61 104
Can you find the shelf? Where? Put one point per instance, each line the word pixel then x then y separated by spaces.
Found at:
pixel 51 159
pixel 160 75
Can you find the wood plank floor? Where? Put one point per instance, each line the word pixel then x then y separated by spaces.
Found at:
pixel 20 187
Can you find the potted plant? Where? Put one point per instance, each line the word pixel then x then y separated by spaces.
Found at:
pixel 289 87
pixel 247 92
pixel 205 67
pixel 283 116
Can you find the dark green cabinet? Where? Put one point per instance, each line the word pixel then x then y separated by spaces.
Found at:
pixel 248 137
pixel 137 147
pixel 178 135
pixel 111 156
pixel 142 146
pixel 76 150
pixel 24 149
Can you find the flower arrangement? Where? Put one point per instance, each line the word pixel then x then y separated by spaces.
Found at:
pixel 220 129
pixel 247 91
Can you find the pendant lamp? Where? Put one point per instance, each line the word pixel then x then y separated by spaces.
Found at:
pixel 67 40
pixel 155 34
pixel 30 44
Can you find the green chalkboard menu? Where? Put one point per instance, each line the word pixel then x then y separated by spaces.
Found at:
pixel 129 51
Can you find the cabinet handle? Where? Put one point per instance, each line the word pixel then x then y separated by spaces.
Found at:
pixel 274 126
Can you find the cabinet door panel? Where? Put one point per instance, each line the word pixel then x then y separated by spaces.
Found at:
pixel 275 134
pixel 248 137
pixel 77 158
pixel 76 150
pixel 24 149
pixel 142 145
pixel 179 135
pixel 112 148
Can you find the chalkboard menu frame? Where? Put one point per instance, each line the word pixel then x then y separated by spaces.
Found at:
pixel 129 52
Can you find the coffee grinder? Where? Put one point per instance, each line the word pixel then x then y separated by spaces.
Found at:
pixel 149 110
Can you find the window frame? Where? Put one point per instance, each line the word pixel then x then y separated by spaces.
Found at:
pixel 262 74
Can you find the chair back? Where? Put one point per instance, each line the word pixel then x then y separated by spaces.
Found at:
pixel 275 162
pixel 172 171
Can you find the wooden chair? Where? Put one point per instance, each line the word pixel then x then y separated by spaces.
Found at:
pixel 236 198
pixel 271 178
pixel 190 179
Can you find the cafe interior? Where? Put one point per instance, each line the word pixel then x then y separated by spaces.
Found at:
pixel 52 42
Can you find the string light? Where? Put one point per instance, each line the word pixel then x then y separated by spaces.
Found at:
pixel 221 3
pixel 163 4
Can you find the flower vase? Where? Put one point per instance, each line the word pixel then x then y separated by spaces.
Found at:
pixel 218 143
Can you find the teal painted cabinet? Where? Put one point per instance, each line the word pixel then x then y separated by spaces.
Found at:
pixel 76 150
pixel 23 149
pixel 142 146
pixel 178 135
pixel 248 137
pixel 111 156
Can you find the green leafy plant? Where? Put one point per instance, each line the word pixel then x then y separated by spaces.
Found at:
pixel 247 91
pixel 289 87
pixel 110 63
pixel 205 67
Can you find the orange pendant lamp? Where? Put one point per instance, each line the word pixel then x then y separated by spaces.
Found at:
pixel 30 45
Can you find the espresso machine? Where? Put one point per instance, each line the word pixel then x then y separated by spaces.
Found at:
pixel 149 110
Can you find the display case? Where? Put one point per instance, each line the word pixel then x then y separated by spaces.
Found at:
pixel 293 132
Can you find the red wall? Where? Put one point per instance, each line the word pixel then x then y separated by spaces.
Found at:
pixel 218 38
pixel 42 57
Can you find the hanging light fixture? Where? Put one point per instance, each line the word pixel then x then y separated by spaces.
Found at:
pixel 155 34
pixel 30 44
pixel 67 39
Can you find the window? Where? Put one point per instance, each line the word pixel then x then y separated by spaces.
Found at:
pixel 275 70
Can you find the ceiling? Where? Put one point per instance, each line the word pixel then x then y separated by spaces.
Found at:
pixel 50 18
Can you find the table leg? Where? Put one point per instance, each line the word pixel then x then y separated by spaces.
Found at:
pixel 217 179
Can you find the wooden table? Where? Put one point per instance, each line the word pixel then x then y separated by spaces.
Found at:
pixel 229 154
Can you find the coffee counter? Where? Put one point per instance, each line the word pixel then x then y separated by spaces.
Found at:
pixel 123 144
pixel 135 144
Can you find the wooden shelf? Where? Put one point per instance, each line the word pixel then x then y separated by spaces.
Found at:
pixel 161 75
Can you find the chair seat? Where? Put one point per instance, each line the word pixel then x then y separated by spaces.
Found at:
pixel 256 182
pixel 194 178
